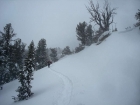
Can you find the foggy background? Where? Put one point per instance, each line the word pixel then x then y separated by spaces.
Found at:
pixel 56 20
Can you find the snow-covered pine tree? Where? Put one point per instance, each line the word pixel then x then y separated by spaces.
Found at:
pixel 137 16
pixel 84 33
pixel 30 67
pixel 59 52
pixel 81 34
pixel 2 62
pixel 19 49
pixel 16 58
pixel 53 55
pixel 22 90
pixel 11 64
pixel 25 75
pixel 6 36
pixel 41 54
pixel 89 33
pixel 66 51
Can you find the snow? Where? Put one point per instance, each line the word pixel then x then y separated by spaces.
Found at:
pixel 106 33
pixel 67 91
pixel 105 74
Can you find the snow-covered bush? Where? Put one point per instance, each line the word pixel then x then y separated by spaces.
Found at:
pixel 103 36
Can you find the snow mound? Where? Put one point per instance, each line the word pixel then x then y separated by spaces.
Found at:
pixel 103 36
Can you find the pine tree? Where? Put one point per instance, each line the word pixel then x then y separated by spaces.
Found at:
pixel 7 64
pixel 11 52
pixel 137 16
pixel 84 33
pixel 12 64
pixel 53 55
pixel 41 54
pixel 66 51
pixel 2 62
pixel 7 35
pixel 29 67
pixel 19 49
pixel 81 34
pixel 59 52
pixel 89 33
pixel 22 90
pixel 25 75
pixel 16 58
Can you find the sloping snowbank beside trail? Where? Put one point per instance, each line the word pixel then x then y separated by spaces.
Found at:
pixel 65 98
pixel 105 74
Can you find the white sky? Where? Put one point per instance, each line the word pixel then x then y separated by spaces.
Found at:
pixel 56 20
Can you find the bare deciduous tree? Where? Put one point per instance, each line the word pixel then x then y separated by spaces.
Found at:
pixel 103 18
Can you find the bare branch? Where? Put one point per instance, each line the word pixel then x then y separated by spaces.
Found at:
pixel 101 18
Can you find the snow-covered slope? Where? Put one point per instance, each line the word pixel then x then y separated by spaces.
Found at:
pixel 105 74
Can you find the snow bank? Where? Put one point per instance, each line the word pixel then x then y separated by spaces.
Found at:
pixel 103 36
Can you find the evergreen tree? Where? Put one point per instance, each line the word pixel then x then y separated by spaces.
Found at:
pixel 7 35
pixel 12 64
pixel 19 49
pixel 53 55
pixel 7 64
pixel 66 51
pixel 137 16
pixel 84 33
pixel 2 62
pixel 25 75
pixel 29 67
pixel 59 52
pixel 81 32
pixel 11 55
pixel 41 54
pixel 22 90
pixel 17 53
pixel 89 33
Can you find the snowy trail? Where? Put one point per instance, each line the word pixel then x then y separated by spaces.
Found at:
pixel 65 98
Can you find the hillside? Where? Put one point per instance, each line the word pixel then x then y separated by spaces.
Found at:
pixel 105 74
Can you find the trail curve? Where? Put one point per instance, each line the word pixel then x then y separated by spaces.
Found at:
pixel 65 98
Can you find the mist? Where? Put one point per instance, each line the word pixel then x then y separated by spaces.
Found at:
pixel 56 20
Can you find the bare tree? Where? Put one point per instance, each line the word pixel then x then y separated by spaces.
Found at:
pixel 103 18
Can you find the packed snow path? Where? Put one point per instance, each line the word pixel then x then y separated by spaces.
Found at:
pixel 65 98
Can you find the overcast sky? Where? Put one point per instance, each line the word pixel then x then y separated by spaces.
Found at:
pixel 56 20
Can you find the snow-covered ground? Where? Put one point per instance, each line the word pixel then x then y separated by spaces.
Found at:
pixel 105 74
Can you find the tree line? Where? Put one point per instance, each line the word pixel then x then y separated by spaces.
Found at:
pixel 17 62
pixel 13 53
